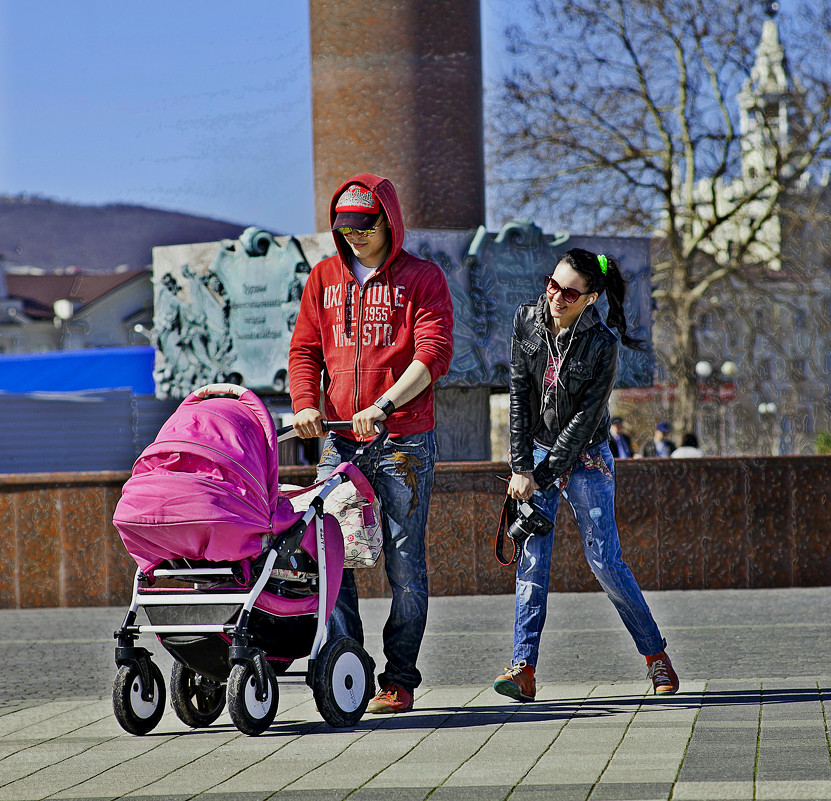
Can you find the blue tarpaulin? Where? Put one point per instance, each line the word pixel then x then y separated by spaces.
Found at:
pixel 79 370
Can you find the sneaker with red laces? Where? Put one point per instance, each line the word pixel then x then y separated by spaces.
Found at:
pixel 517 682
pixel 391 698
pixel 664 678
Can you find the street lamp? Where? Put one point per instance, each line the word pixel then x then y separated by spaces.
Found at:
pixel 718 388
pixel 767 410
pixel 703 370
pixel 729 370
pixel 726 373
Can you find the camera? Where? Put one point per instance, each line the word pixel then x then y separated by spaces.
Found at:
pixel 529 521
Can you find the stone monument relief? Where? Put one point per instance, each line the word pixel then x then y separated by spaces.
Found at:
pixel 225 311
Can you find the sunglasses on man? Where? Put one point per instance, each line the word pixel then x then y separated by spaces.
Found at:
pixel 346 231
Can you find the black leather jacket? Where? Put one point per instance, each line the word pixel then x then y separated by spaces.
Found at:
pixel 580 418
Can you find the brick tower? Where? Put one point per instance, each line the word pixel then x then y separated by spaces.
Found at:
pixel 397 91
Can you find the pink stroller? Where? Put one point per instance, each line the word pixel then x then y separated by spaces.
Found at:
pixel 249 582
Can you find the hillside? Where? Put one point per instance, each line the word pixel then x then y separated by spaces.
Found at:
pixel 54 236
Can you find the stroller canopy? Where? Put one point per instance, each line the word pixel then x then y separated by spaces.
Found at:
pixel 207 487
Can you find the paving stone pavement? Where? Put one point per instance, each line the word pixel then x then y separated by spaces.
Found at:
pixel 750 722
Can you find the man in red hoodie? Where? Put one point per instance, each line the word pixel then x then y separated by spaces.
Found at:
pixel 376 323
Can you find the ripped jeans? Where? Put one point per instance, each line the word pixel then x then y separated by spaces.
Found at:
pixel 592 499
pixel 404 482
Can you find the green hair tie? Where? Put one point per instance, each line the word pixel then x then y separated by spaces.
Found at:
pixel 603 262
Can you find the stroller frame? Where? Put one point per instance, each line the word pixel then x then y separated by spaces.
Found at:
pixel 138 689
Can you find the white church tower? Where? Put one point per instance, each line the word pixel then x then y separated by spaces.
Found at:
pixel 767 118
pixel 766 106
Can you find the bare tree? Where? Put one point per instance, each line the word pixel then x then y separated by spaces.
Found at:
pixel 653 117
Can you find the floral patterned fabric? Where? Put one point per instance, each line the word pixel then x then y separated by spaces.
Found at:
pixel 595 462
pixel 359 520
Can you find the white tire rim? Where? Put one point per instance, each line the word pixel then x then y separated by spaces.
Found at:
pixel 348 682
pixel 141 708
pixel 256 708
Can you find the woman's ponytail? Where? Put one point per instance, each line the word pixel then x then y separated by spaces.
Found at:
pixel 603 274
pixel 616 292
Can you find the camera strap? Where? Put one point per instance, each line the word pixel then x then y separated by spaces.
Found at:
pixel 506 518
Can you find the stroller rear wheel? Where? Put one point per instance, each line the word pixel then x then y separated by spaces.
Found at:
pixel 342 682
pixel 196 700
pixel 135 714
pixel 250 714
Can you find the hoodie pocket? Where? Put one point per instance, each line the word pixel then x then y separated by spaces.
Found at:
pixel 346 398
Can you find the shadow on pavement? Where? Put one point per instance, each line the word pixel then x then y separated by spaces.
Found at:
pixel 561 709
pixel 514 713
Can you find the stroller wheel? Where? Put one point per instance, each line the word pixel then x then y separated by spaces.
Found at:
pixel 342 682
pixel 135 714
pixel 196 700
pixel 250 714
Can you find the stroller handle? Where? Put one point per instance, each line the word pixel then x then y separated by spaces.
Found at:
pixel 219 389
pixel 287 432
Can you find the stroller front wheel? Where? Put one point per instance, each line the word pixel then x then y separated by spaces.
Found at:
pixel 342 682
pixel 196 700
pixel 135 714
pixel 250 714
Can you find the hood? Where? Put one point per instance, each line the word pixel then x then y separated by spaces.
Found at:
pixel 388 197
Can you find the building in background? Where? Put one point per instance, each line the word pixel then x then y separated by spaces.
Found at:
pixel 764 343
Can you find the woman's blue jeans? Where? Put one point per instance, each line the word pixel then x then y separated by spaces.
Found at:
pixel 403 482
pixel 592 499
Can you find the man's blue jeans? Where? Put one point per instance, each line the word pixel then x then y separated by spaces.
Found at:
pixel 592 499
pixel 403 482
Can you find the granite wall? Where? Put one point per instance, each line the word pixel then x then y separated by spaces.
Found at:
pixel 696 524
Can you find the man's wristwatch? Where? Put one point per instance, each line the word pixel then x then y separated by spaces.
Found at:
pixel 385 405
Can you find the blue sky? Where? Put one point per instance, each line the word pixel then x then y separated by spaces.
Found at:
pixel 197 106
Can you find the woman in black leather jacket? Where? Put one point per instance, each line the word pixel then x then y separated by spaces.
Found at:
pixel 563 368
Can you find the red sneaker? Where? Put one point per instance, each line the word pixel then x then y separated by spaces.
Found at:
pixel 392 698
pixel 664 678
pixel 517 682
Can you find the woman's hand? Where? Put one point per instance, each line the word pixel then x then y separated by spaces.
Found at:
pixel 522 486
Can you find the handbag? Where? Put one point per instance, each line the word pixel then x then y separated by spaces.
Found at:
pixel 359 520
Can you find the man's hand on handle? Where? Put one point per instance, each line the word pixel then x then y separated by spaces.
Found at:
pixel 307 423
pixel 363 423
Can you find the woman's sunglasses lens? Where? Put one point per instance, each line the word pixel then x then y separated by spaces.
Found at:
pixel 569 295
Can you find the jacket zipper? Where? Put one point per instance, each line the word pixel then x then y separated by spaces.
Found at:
pixel 358 345
pixel 360 334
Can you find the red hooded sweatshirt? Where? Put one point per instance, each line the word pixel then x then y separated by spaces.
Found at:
pixel 361 339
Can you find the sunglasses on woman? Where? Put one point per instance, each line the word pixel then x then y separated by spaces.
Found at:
pixel 570 295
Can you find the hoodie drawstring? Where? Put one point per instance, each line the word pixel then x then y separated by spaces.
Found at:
pixel 348 291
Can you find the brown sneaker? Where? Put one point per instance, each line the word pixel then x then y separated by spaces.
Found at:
pixel 664 678
pixel 392 698
pixel 517 682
